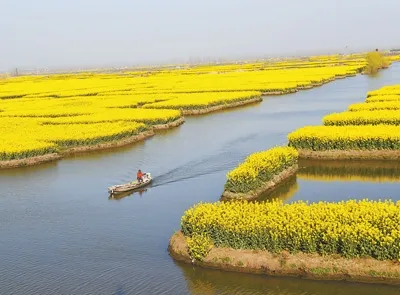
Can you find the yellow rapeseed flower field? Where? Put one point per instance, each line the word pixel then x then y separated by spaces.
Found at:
pixel 365 117
pixel 71 135
pixel 348 228
pixel 148 116
pixel 383 98
pixel 27 137
pixel 109 102
pixel 372 125
pixel 194 101
pixel 259 168
pixel 374 106
pixel 351 137
pixel 385 90
pixel 380 107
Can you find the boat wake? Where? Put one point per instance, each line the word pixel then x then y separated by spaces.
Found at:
pixel 226 159
pixel 194 169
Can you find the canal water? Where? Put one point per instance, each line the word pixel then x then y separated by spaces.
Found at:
pixel 60 233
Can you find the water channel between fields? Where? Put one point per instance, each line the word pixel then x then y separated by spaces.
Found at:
pixel 61 234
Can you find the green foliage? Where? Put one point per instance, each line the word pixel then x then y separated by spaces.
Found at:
pixel 199 245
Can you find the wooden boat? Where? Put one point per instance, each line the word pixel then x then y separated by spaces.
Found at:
pixel 133 185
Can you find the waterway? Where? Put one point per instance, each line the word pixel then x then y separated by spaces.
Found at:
pixel 60 233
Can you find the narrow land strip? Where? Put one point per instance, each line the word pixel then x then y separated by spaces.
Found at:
pixel 30 161
pixel 308 266
pixel 83 149
pixel 267 186
pixel 349 154
pixel 221 107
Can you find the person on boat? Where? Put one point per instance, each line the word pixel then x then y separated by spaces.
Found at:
pixel 140 176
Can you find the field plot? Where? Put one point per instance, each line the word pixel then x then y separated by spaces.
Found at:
pixel 351 240
pixel 51 113
pixel 368 130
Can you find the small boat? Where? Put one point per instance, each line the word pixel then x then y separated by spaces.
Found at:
pixel 120 188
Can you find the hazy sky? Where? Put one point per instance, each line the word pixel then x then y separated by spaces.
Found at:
pixel 71 33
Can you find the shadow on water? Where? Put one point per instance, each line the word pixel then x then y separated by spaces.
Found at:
pixel 202 281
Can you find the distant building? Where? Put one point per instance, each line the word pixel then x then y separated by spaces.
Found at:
pixel 394 51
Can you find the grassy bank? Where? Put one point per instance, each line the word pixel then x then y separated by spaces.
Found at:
pixel 302 265
pixel 222 106
pixel 349 228
pixel 205 102
pixel 357 240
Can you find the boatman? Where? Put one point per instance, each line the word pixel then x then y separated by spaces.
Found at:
pixel 140 176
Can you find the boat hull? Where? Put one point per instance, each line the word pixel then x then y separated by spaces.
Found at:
pixel 129 186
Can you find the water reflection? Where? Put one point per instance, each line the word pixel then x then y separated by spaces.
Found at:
pixel 120 196
pixel 315 178
pixel 202 281
pixel 366 171
pixel 284 191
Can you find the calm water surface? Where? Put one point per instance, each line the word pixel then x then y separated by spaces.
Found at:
pixel 61 234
